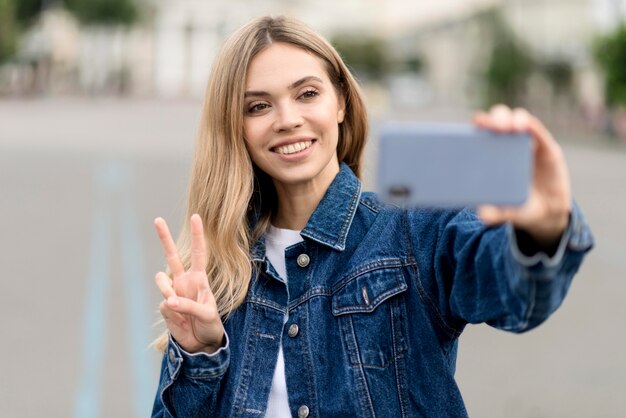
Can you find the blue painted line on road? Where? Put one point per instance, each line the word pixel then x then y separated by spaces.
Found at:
pixel 113 205
pixel 136 303
pixel 88 396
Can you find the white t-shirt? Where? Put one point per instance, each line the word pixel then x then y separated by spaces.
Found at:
pixel 276 241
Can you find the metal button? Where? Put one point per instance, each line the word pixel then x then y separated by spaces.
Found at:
pixel 171 355
pixel 303 260
pixel 293 330
pixel 303 411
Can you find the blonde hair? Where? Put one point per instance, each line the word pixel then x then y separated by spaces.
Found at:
pixel 235 199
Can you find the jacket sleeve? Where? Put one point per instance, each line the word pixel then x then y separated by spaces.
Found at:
pixel 189 382
pixel 478 274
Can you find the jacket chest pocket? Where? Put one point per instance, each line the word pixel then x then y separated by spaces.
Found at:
pixel 371 312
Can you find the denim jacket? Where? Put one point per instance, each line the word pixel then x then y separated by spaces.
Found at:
pixel 376 300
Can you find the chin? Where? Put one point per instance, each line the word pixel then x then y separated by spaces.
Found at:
pixel 295 177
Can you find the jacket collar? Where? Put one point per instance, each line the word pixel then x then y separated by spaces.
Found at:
pixel 330 222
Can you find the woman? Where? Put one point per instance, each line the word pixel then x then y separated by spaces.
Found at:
pixel 294 293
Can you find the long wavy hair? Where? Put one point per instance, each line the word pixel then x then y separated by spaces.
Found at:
pixel 235 199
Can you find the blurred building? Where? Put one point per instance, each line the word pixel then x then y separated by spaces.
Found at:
pixel 48 54
pixel 189 32
pixel 556 33
pixel 170 52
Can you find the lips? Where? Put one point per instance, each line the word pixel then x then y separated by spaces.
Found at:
pixel 292 148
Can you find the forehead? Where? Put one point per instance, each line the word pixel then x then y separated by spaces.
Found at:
pixel 281 64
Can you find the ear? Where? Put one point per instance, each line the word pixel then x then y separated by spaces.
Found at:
pixel 341 112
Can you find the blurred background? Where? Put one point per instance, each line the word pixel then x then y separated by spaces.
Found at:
pixel 99 104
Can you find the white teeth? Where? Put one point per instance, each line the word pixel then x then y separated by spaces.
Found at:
pixel 293 148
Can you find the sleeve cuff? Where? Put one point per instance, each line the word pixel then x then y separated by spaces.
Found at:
pixel 576 237
pixel 197 365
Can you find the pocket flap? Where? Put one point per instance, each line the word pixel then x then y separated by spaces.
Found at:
pixel 365 292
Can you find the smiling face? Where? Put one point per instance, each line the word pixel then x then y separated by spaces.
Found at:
pixel 292 114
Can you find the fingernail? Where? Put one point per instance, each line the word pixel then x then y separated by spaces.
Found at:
pixel 173 301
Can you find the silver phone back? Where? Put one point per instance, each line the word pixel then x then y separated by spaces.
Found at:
pixel 452 165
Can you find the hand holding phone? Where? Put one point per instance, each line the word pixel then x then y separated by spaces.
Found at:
pixel 545 213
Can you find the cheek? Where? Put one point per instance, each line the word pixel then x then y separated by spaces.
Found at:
pixel 326 117
pixel 252 141
pixel 332 124
pixel 252 134
pixel 248 133
pixel 253 152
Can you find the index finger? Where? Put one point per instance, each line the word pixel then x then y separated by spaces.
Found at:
pixel 198 245
pixel 169 248
pixel 498 119
pixel 545 140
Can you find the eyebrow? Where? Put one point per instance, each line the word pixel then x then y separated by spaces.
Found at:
pixel 292 86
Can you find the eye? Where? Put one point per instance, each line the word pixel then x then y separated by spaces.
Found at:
pixel 257 107
pixel 309 93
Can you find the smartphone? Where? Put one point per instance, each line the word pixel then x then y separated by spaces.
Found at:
pixel 452 165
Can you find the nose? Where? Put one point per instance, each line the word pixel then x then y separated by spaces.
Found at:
pixel 288 117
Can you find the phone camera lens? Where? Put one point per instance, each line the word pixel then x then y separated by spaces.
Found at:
pixel 399 192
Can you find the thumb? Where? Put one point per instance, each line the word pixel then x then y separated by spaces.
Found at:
pixel 493 215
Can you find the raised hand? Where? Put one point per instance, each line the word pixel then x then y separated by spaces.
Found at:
pixel 546 212
pixel 189 308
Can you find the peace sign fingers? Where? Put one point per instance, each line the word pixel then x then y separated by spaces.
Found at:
pixel 169 248
pixel 189 307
